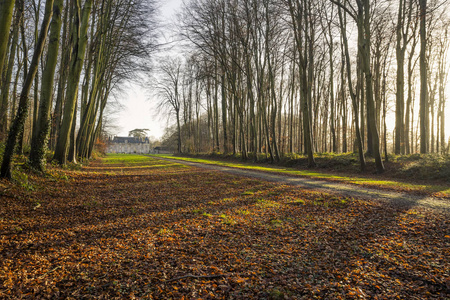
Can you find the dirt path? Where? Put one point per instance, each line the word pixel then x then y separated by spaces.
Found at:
pixel 392 198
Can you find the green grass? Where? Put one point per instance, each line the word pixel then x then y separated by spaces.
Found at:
pixel 165 232
pixel 227 220
pixel 264 203
pixel 248 193
pixel 364 181
pixel 299 201
pixel 127 159
pixel 276 222
pixel 137 161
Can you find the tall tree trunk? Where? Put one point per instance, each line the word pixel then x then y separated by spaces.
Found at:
pixel 332 105
pixel 62 79
pixel 403 24
pixel 441 112
pixel 409 99
pixel 362 160
pixel 400 101
pixel 39 141
pixel 364 24
pixel 178 131
pixel 224 114
pixel 423 112
pixel 216 110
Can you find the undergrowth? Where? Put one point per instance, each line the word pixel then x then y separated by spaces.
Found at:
pixel 428 166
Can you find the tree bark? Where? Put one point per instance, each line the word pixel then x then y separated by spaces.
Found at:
pixel 423 112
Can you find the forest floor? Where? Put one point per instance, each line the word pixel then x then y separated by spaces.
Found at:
pixel 132 227
pixel 389 192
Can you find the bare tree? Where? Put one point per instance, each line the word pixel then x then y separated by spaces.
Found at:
pixel 169 91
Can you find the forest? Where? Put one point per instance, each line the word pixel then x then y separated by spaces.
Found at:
pixel 301 76
pixel 306 154
pixel 60 63
pixel 254 77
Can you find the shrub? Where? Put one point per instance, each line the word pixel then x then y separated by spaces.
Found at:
pixel 21 178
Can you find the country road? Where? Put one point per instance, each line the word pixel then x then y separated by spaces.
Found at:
pixel 441 205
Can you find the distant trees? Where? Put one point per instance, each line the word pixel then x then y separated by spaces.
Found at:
pixel 277 77
pixel 361 14
pixel 138 133
pixel 303 30
pixel 93 46
pixel 169 89
pixel 260 78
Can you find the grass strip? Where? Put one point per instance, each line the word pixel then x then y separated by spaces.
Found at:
pixel 437 190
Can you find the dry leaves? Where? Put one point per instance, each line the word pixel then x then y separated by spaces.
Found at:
pixel 159 230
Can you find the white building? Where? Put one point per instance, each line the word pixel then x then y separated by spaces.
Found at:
pixel 128 145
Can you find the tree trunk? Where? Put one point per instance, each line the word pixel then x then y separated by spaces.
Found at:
pixel 365 54
pixel 332 105
pixel 224 115
pixel 39 141
pixel 4 100
pixel 6 12
pixel 62 80
pixel 362 160
pixel 72 151
pixel 423 112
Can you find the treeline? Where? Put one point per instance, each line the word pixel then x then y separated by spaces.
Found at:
pixel 305 76
pixel 62 59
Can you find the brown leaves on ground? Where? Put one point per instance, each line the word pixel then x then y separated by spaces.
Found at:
pixel 159 230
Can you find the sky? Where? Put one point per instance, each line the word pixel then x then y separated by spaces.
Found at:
pixel 139 107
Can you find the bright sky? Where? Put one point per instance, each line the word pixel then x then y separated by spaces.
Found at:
pixel 139 107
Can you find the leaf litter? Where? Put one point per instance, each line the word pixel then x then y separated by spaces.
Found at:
pixel 157 230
